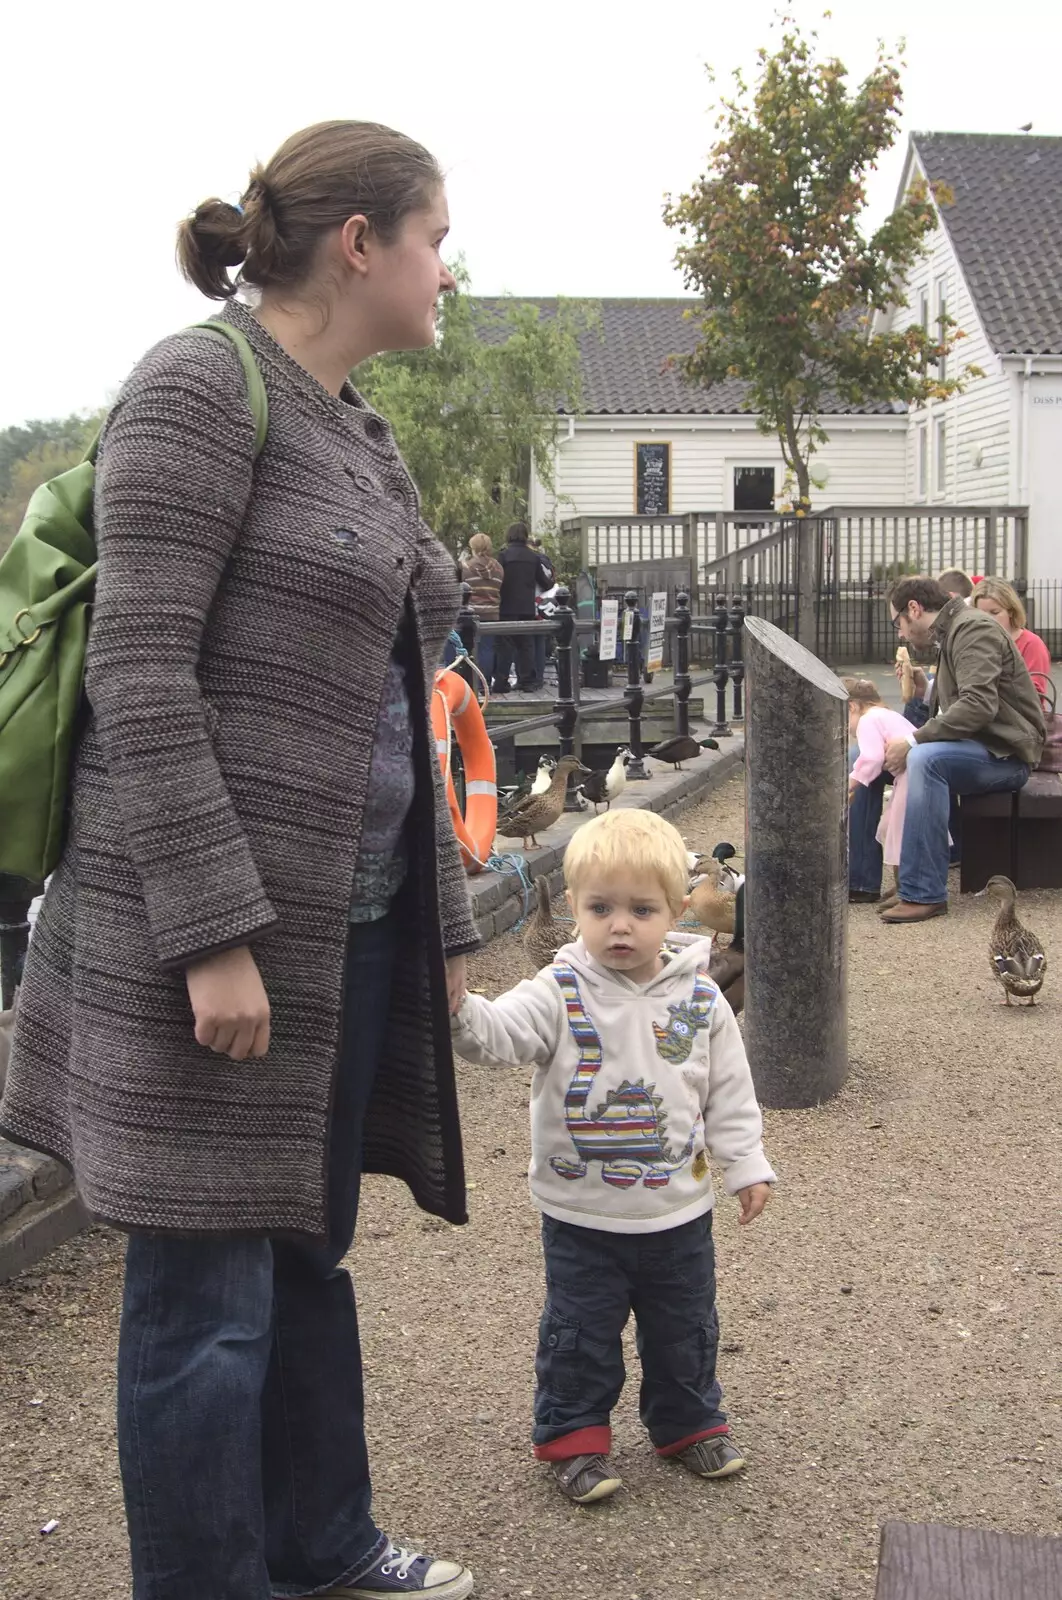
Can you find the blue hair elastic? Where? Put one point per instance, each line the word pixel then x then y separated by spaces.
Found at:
pixel 238 207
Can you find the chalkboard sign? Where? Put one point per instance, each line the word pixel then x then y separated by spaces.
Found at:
pixel 652 479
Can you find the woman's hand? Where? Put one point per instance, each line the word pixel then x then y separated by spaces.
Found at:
pixel 229 1003
pixel 456 978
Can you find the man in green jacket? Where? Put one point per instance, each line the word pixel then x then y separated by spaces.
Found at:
pixel 985 732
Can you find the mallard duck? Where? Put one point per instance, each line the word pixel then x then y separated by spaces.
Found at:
pixel 602 787
pixel 1017 956
pixel 712 903
pixel 727 967
pixel 539 811
pixel 681 748
pixel 542 936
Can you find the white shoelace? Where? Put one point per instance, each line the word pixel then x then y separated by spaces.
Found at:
pixel 398 1562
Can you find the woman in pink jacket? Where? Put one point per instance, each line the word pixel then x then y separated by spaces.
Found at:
pixel 1003 603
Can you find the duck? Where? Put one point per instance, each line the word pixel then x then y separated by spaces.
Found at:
pixel 1016 955
pixel 726 967
pixel 602 787
pixel 526 785
pixel 713 903
pixel 543 775
pixel 681 748
pixel 537 812
pixel 542 936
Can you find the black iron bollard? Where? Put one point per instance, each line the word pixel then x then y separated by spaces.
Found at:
pixel 15 897
pixel 564 705
pixel 737 653
pixel 633 693
pixel 468 628
pixel 683 682
pixel 720 674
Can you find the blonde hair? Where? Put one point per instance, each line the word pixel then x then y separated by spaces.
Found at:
pixel 630 842
pixel 957 582
pixel 1002 593
pixel 480 544
pixel 862 691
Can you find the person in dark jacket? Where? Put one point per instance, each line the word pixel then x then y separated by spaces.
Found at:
pixel 524 570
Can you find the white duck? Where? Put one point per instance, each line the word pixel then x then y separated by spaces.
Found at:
pixel 543 776
pixel 603 787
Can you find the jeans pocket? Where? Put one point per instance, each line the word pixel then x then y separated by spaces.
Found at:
pixel 559 1362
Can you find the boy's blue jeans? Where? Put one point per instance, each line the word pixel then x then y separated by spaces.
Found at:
pixel 594 1280
pixel 933 771
pixel 240 1407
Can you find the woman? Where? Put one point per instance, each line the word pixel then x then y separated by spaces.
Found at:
pixel 258 828
pixel 484 575
pixel 1002 602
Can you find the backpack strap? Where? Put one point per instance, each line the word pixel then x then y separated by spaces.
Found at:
pixel 256 390
pixel 257 398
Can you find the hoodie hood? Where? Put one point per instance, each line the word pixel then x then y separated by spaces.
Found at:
pixel 684 953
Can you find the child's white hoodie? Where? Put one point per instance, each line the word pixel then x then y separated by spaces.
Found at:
pixel 636 1085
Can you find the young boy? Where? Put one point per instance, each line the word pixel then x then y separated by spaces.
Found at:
pixel 641 1074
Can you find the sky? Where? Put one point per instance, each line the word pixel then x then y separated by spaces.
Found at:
pixel 561 125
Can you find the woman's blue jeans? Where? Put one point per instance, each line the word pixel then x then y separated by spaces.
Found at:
pixel 240 1406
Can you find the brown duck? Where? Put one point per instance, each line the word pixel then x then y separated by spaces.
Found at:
pixel 537 812
pixel 1016 955
pixel 542 936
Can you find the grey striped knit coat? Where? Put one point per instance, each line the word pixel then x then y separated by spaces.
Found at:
pixel 244 618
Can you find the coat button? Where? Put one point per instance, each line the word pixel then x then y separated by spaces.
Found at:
pixel 363 481
pixel 374 428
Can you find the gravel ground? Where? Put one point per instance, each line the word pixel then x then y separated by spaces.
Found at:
pixel 891 1326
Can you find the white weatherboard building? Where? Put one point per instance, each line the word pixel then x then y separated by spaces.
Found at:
pixel 995 265
pixel 651 443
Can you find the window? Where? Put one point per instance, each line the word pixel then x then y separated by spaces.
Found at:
pixel 923 314
pixel 942 313
pixel 753 488
pixel 921 462
pixel 940 456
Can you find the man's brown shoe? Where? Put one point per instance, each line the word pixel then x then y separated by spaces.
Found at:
pixel 911 911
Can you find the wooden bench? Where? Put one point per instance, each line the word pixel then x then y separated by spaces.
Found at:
pixel 926 1561
pixel 1019 835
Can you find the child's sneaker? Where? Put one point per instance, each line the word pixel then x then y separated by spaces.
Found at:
pixel 585 1479
pixel 715 1457
pixel 402 1572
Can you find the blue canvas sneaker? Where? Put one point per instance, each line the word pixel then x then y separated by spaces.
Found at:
pixel 400 1572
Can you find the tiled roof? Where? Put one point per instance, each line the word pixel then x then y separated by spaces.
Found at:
pixel 625 360
pixel 1006 227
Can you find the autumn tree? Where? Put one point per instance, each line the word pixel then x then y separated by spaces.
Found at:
pixel 772 237
pixel 477 414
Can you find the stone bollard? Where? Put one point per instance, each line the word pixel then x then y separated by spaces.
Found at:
pixel 796 862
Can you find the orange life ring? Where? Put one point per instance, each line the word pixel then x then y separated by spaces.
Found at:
pixel 454 704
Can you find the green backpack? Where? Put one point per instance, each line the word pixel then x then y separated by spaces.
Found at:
pixel 47 579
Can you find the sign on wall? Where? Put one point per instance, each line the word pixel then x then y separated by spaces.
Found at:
pixel 652 478
pixel 609 630
pixel 657 629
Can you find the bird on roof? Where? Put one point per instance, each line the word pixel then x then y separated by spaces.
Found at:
pixel 1026 127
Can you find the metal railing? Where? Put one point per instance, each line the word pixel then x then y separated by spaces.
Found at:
pixel 569 709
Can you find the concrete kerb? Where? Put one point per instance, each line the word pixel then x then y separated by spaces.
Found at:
pixel 498 897
pixel 38 1206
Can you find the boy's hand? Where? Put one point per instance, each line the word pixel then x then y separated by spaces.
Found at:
pixel 456 976
pixel 753 1199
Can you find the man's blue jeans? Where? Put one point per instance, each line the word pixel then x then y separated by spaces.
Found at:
pixel 240 1406
pixel 933 770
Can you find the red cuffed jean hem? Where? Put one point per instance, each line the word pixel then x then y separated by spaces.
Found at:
pixel 691 1438
pixel 583 1442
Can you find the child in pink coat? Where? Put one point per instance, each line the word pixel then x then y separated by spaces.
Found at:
pixel 871 724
